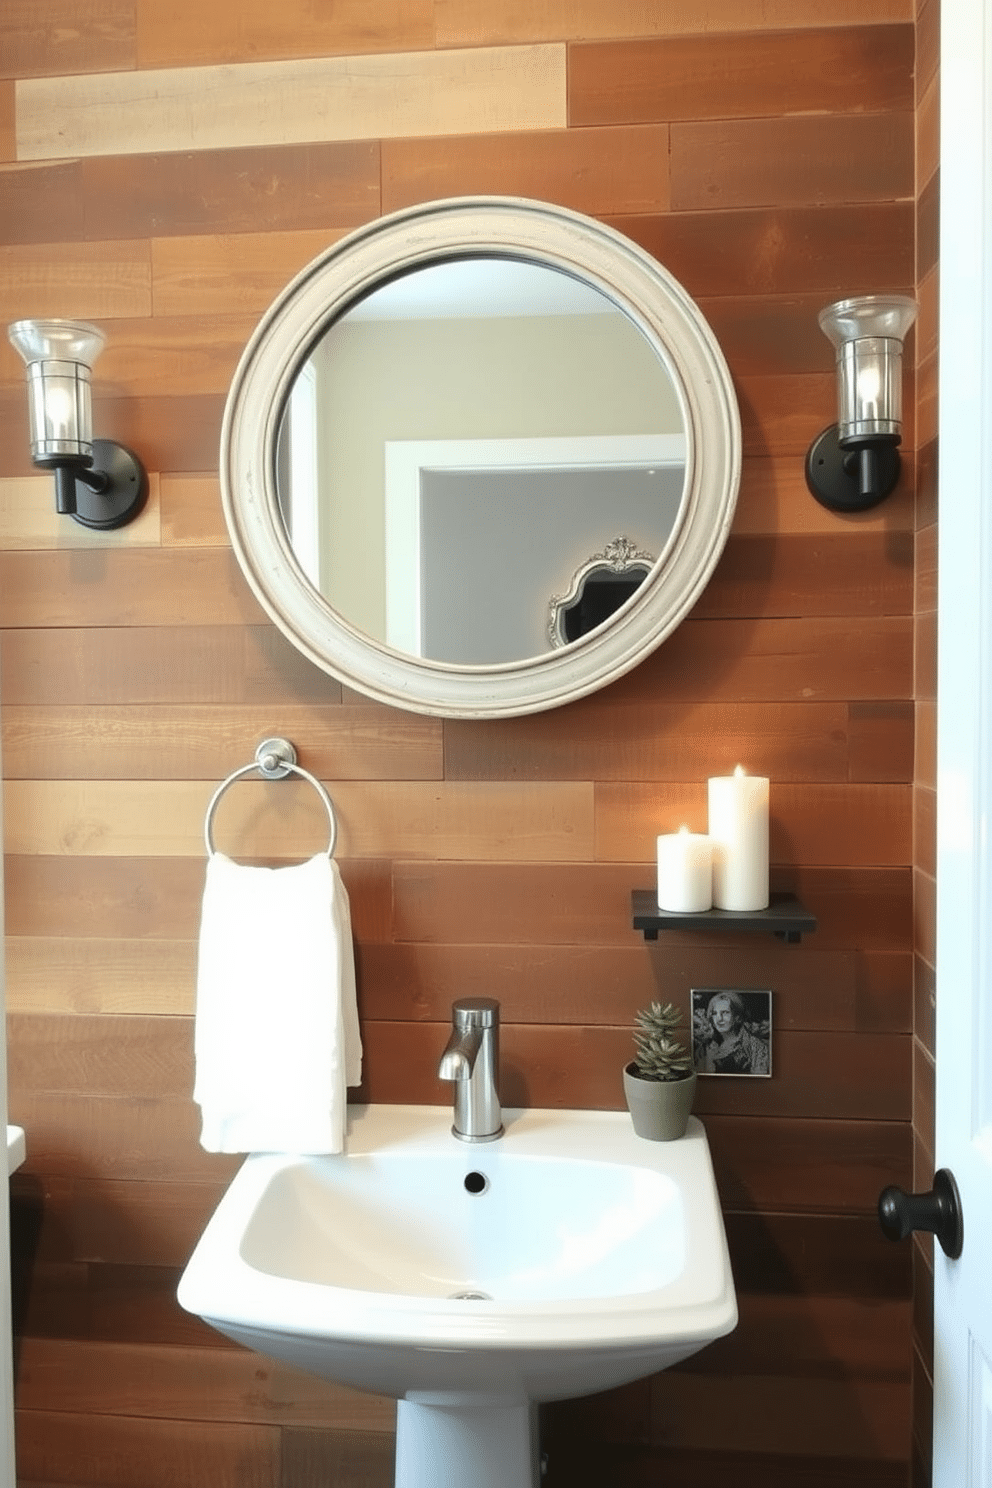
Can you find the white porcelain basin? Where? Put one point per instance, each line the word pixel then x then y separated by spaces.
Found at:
pixel 567 1257
pixel 16 1149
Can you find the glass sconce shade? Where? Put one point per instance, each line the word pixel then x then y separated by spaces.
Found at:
pixel 868 334
pixel 59 355
pixel 100 483
pixel 854 464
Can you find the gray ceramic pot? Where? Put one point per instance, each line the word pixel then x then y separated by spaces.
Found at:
pixel 659 1109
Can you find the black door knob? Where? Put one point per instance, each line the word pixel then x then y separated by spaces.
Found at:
pixel 938 1212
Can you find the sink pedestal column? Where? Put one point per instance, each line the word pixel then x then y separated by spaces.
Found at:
pixel 450 1441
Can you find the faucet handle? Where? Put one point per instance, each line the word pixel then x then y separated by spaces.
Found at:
pixel 475 1012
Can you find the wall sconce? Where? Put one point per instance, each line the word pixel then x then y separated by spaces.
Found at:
pixel 98 482
pixel 854 464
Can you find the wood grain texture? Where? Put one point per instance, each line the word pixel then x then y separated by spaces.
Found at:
pixel 110 1451
pixel 56 37
pixel 29 521
pixel 460 22
pixel 457 91
pixel 792 161
pixel 139 670
pixel 78 281
pixel 213 1384
pixel 196 743
pixel 230 273
pixel 598 171
pixel 150 818
pixel 780 249
pixel 183 36
pixel 752 74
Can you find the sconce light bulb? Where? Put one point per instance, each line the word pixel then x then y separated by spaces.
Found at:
pixel 59 355
pixel 855 464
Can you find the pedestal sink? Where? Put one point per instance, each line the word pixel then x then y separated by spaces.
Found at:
pixel 471 1282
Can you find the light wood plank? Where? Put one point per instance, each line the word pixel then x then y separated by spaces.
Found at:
pixel 163 742
pixel 77 975
pixel 230 274
pixel 513 823
pixel 473 91
pixel 463 23
pixel 28 519
pixel 206 1384
pixel 79 281
pixel 191 512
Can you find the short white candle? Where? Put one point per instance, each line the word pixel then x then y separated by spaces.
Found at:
pixel 685 872
pixel 739 831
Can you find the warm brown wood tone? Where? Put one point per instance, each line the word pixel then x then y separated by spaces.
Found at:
pixel 752 74
pixel 764 151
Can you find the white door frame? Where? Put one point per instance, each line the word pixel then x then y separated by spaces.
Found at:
pixel 963 1305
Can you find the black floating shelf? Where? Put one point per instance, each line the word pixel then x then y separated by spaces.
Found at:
pixel 784 917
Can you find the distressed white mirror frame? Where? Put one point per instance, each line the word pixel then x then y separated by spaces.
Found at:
pixel 432 233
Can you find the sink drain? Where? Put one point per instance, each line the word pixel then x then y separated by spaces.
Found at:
pixel 470 1297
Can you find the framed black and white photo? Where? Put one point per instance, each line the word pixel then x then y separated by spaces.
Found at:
pixel 731 1031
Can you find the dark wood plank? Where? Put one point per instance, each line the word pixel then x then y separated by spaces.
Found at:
pixel 651 740
pixel 219 666
pixel 824 575
pixel 769 659
pixel 151 898
pixel 831 250
pixel 792 161
pixel 817 1255
pixel 588 985
pixel 766 1165
pixel 756 74
pixel 112 1451
pixel 238 190
pixel 591 170
pixel 52 39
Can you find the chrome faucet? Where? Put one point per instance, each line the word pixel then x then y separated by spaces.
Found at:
pixel 471 1060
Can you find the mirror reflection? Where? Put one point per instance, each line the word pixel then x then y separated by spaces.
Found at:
pixel 457 445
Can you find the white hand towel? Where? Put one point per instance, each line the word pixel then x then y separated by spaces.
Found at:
pixel 277 1038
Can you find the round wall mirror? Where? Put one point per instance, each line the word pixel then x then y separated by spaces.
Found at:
pixel 448 418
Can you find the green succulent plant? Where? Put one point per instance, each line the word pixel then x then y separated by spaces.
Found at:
pixel 660 1056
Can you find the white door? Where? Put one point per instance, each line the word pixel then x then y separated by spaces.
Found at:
pixel 963 1341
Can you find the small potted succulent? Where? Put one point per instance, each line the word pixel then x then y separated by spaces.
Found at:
pixel 660 1082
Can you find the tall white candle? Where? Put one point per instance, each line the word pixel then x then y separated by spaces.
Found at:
pixel 685 872
pixel 739 832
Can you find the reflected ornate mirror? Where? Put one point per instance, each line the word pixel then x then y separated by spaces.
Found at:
pixel 437 423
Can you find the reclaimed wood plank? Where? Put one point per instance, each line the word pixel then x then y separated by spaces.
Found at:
pixel 751 74
pixel 792 161
pixel 184 37
pixel 591 170
pixel 303 100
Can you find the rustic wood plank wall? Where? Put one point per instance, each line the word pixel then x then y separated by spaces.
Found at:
pixel 764 150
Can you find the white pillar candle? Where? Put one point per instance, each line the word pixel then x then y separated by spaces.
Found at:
pixel 685 872
pixel 739 832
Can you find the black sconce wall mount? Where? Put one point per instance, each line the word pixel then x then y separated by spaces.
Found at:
pixel 854 464
pixel 99 483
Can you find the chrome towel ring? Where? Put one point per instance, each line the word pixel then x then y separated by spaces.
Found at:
pixel 274 760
